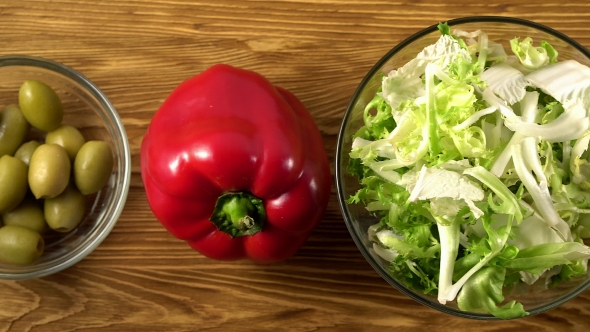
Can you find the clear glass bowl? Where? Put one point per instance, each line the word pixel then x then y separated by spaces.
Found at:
pixel 357 219
pixel 87 108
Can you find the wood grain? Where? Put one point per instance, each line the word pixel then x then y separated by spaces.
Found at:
pixel 141 278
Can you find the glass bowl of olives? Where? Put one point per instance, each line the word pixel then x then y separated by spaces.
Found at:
pixel 65 167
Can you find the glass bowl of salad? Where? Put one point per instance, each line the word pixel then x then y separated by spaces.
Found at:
pixel 462 167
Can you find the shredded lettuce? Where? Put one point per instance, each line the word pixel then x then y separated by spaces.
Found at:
pixel 484 290
pixel 476 165
pixel 507 82
pixel 533 57
pixel 565 81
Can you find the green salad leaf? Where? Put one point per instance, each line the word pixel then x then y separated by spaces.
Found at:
pixel 533 57
pixel 483 292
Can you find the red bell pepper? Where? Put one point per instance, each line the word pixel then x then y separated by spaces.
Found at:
pixel 236 167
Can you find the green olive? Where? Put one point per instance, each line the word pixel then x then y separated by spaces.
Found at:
pixel 64 212
pixel 93 166
pixel 68 137
pixel 27 214
pixel 49 171
pixel 26 150
pixel 13 182
pixel 13 129
pixel 20 245
pixel 40 105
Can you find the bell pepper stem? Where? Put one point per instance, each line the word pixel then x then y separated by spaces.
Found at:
pixel 239 214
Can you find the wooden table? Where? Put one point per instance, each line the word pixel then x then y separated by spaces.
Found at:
pixel 137 51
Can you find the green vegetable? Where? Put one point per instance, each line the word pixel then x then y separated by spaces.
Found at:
pixel 27 214
pixel 475 163
pixel 64 212
pixel 93 166
pixel 13 129
pixel 484 290
pixel 25 151
pixel 13 182
pixel 533 57
pixel 20 245
pixel 68 137
pixel 40 105
pixel 49 171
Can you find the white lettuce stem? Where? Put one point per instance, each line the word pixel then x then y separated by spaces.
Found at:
pixel 431 122
pixel 473 118
pixel 540 194
pixel 577 150
pixel 504 158
pixel 483 51
pixel 449 247
pixel 443 76
pixel 450 292
pixel 567 153
pixel 529 113
pixel 492 100
pixel 530 154
pixel 570 125
pixel 530 106
pixel 499 188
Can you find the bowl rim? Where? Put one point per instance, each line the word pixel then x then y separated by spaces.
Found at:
pixel 339 171
pixel 121 190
